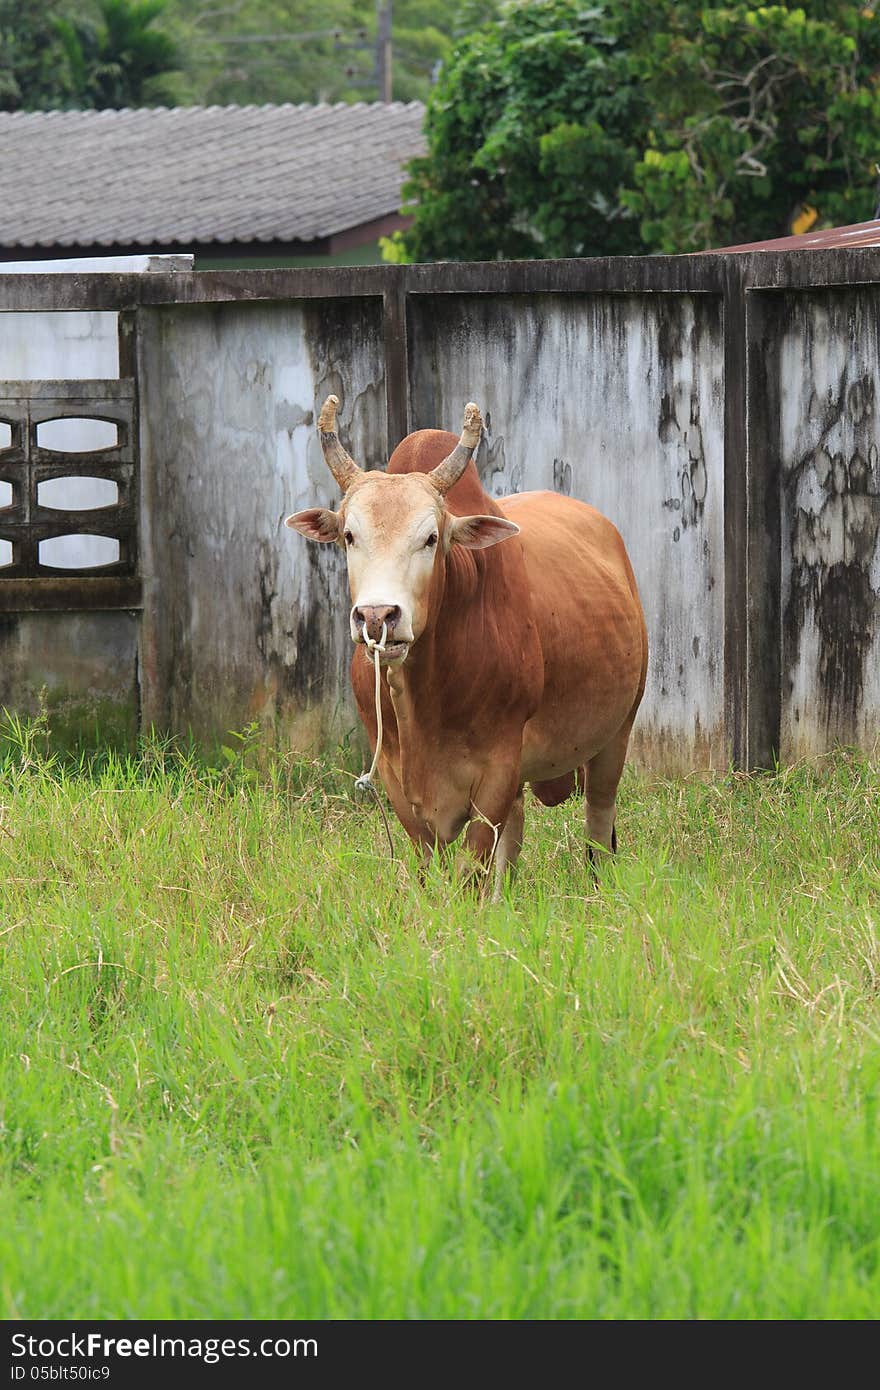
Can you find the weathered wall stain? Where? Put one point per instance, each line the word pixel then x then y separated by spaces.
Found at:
pixel 845 608
pixel 267 580
pixel 562 477
pixel 828 432
pixel 292 417
pixel 838 513
pixel 679 427
pixel 498 475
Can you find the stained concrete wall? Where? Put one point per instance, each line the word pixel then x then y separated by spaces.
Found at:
pixel 721 410
pixel 243 618
pixel 61 346
pixel 825 433
pixel 617 400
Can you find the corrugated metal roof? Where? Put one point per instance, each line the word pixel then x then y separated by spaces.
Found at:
pixel 200 174
pixel 859 234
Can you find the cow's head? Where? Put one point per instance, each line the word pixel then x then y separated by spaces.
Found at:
pixel 396 532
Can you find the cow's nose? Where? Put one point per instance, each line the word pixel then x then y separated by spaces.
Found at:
pixel 369 617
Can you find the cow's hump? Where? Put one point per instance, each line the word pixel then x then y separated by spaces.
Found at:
pixel 423 450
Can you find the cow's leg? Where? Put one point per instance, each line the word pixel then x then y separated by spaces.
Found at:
pixel 423 840
pixel 510 842
pixel 603 773
pixel 492 803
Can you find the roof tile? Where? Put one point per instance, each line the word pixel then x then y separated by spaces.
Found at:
pixel 201 174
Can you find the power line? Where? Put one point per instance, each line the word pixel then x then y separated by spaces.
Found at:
pixel 359 40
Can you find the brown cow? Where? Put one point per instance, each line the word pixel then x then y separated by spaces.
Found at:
pixel 505 664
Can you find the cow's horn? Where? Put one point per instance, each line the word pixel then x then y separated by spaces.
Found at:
pixel 341 464
pixel 451 469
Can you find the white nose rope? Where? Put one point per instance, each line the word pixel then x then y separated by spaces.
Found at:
pixel 365 782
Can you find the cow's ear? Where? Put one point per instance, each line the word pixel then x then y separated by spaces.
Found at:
pixel 318 523
pixel 477 532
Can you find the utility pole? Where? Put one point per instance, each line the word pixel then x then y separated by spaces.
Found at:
pixel 383 49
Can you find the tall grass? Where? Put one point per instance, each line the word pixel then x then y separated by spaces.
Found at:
pixel 249 1067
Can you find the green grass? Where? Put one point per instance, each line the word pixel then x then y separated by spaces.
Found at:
pixel 251 1069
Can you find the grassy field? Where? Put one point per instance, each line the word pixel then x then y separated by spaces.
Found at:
pixel 250 1068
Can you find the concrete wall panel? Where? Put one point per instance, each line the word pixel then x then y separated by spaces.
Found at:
pixel 244 619
pixel 80 668
pixel 617 400
pixel 824 440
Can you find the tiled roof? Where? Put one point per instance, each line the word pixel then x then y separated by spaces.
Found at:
pixel 859 234
pixel 198 174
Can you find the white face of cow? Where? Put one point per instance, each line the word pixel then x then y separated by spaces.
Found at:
pixel 395 530
pixel 391 529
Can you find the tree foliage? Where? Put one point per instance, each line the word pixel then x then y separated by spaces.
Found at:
pixel 80 53
pixel 531 129
pixel 255 51
pixel 660 125
pixel 33 72
pixel 757 113
pixel 83 55
pixel 116 56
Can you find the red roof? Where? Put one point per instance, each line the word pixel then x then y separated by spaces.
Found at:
pixel 860 234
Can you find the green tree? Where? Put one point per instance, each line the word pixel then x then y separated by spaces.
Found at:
pixel 303 50
pixel 532 129
pixel 33 70
pixel 118 57
pixel 134 52
pixel 659 125
pixel 422 38
pixel 756 114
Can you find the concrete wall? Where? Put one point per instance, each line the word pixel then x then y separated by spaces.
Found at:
pixel 721 410
pixel 617 400
pixel 243 619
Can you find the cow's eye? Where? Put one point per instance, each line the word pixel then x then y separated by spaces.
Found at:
pixel 348 538
pixel 432 540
